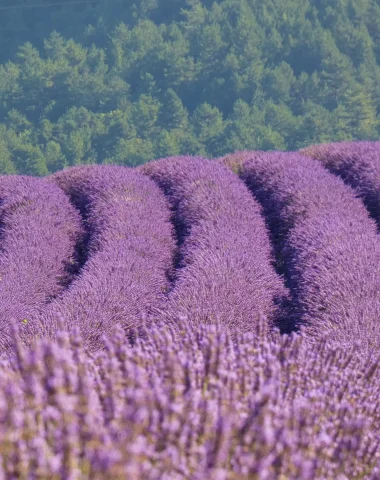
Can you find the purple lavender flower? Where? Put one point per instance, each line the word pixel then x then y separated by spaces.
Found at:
pixel 224 270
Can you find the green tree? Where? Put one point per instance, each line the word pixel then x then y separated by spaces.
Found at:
pixel 279 82
pixel 7 166
pixel 361 113
pixel 132 152
pixel 336 74
pixel 76 131
pixel 30 160
pixel 240 130
pixel 194 15
pixel 17 122
pixel 166 145
pixel 55 159
pixel 208 125
pixel 373 24
pixel 145 115
pixel 316 125
pixel 280 119
pixel 341 129
pixel 268 139
pixel 173 114
pixel 191 145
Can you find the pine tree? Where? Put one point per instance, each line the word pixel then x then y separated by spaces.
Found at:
pixel 337 72
pixel 209 126
pixel 173 114
pixel 240 129
pixel 7 167
pixel 363 123
pixel 166 145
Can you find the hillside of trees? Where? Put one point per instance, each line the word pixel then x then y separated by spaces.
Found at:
pixel 124 83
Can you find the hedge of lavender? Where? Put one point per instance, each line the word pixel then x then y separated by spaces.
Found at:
pixel 327 243
pixel 358 164
pixel 224 255
pixel 39 232
pixel 129 255
pixel 150 349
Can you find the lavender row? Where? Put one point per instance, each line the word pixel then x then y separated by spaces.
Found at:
pixel 39 233
pixel 358 164
pixel 202 406
pixel 224 271
pixel 130 250
pixel 326 240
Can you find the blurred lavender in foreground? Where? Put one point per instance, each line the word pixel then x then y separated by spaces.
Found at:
pixel 197 407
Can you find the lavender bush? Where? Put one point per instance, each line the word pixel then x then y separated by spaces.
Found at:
pixel 39 232
pixel 129 255
pixel 224 259
pixel 358 164
pixel 325 239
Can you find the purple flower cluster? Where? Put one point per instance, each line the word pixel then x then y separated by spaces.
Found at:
pixel 130 250
pixel 224 270
pixel 358 164
pixel 39 231
pixel 200 407
pixel 325 239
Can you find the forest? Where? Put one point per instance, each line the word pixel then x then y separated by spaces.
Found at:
pixel 116 82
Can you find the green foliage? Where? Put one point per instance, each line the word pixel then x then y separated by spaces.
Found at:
pixel 7 167
pixel 126 82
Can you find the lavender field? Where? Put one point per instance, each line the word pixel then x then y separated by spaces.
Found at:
pixel 192 318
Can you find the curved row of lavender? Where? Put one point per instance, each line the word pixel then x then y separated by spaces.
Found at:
pixel 130 249
pixel 328 243
pixel 197 407
pixel 358 164
pixel 224 270
pixel 40 230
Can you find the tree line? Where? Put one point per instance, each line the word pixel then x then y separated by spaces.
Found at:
pixel 122 83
